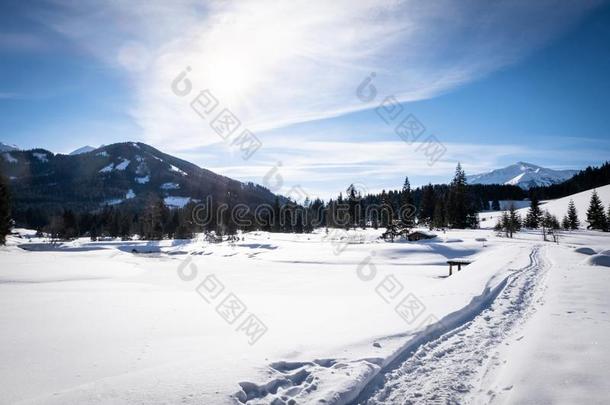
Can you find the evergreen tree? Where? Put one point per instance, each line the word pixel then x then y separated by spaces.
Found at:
pixel 438 220
pixel 353 198
pixel 391 232
pixel 511 221
pixel 503 223
pixel 406 210
pixel 495 205
pixel 386 210
pixel 458 204
pixel 550 226
pixel 154 219
pixel 572 216
pixel 5 210
pixel 173 224
pixel 534 215
pixel 276 224
pixel 426 206
pixel 70 225
pixel 596 216
pixel 565 223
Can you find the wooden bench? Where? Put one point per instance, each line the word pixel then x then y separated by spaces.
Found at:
pixel 459 263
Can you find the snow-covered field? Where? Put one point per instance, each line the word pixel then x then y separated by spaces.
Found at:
pixel 298 319
pixel 558 207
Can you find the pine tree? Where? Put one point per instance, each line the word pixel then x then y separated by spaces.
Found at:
pixel 550 225
pixel 426 206
pixel 386 210
pixel 439 221
pixel 534 215
pixel 406 210
pixel 353 198
pixel 5 210
pixel 154 219
pixel 565 223
pixel 512 221
pixel 572 216
pixel 276 224
pixel 70 229
pixel 458 206
pixel 495 205
pixel 596 216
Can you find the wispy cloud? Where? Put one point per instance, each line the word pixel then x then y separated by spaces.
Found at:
pixel 9 96
pixel 277 63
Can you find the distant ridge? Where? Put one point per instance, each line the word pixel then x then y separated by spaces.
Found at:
pixel 84 149
pixel 7 148
pixel 121 173
pixel 524 175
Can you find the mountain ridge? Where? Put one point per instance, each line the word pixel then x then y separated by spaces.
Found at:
pixel 522 174
pixel 120 173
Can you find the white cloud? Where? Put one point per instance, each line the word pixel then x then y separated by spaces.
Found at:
pixel 276 63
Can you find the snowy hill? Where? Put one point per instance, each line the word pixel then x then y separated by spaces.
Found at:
pixel 7 148
pixel 557 207
pixel 113 174
pixel 522 174
pixel 84 149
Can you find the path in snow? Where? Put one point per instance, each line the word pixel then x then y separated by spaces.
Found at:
pixel 449 369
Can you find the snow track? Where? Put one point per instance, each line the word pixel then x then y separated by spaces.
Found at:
pixel 444 363
pixel 447 370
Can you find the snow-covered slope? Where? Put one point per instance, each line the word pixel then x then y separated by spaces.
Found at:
pixel 558 207
pixel 84 149
pixel 524 175
pixel 7 148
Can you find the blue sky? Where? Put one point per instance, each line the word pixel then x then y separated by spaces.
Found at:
pixel 494 83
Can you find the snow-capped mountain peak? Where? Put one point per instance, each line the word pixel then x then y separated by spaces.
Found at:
pixel 84 149
pixel 7 148
pixel 524 175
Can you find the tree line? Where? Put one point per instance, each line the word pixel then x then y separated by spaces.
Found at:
pixel 454 205
pixel 597 219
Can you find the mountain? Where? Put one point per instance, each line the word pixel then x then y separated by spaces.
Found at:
pixel 84 149
pixel 524 175
pixel 121 173
pixel 7 148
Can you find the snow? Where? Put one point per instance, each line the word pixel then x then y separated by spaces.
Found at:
pixel 170 186
pixel 114 201
pixel 515 180
pixel 598 260
pixel 108 168
pixel 558 207
pixel 137 328
pixel 177 170
pixel 123 165
pixel 82 150
pixel 8 148
pixel 176 202
pixel 524 175
pixel 142 180
pixel 559 356
pixel 585 250
pixel 9 158
pixel 41 156
pixel 102 153
pixel 129 195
